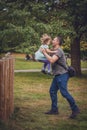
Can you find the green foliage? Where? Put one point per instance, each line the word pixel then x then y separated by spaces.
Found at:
pixel 23 22
pixel 78 16
pixel 10 38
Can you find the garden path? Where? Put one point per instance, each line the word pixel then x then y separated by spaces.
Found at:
pixel 38 70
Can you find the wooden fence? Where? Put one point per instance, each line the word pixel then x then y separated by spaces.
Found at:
pixel 6 87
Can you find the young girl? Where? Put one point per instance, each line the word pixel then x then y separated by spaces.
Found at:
pixel 39 56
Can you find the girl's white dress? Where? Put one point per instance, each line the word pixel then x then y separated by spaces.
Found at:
pixel 39 55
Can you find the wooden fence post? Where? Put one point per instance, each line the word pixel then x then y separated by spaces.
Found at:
pixel 6 87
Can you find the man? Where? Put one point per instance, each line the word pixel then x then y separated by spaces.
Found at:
pixel 60 80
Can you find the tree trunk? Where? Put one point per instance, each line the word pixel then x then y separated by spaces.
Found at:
pixel 75 55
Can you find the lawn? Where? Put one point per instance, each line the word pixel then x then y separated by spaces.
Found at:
pixel 21 63
pixel 32 100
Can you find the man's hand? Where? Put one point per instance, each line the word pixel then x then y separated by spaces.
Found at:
pixel 43 50
pixel 52 59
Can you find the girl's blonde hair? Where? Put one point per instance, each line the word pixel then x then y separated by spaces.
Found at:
pixel 45 39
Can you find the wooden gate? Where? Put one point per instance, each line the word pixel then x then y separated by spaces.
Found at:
pixel 6 87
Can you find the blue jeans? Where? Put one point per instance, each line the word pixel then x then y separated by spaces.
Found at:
pixel 60 83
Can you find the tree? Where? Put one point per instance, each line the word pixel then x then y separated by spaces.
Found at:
pixel 77 12
pixel 75 17
pixel 10 34
pixel 22 24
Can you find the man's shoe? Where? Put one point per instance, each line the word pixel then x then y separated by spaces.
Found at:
pixel 74 114
pixel 51 112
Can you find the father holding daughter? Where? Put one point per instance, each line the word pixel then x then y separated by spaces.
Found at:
pixel 60 79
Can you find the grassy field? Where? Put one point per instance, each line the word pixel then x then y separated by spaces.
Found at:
pixel 21 63
pixel 32 100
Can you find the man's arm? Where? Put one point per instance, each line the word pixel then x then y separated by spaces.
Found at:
pixel 51 59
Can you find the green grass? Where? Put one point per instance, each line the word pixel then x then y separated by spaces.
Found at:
pixel 20 63
pixel 84 64
pixel 31 100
